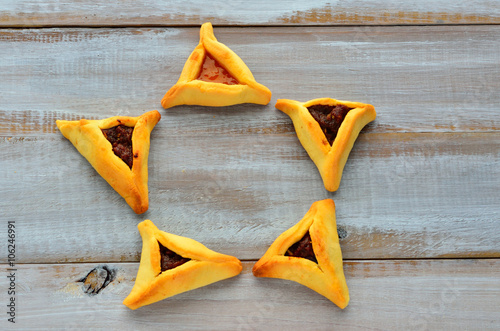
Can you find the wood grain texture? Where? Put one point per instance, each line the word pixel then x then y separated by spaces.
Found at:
pixel 35 13
pixel 388 295
pixel 417 209
pixel 420 79
pixel 421 182
pixel 402 195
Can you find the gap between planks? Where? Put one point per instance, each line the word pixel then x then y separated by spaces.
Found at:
pixel 229 26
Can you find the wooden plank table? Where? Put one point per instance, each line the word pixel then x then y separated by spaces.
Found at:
pixel 417 209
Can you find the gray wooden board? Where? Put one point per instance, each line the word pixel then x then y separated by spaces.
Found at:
pixel 281 12
pixel 402 195
pixel 236 177
pixel 388 295
pixel 421 182
pixel 418 78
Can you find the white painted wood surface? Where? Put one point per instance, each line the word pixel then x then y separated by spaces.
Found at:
pixel 420 79
pixel 237 173
pixel 402 195
pixel 385 295
pixel 422 182
pixel 281 12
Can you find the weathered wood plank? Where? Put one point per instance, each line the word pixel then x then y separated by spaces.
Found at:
pixel 420 79
pixel 388 295
pixel 171 13
pixel 403 195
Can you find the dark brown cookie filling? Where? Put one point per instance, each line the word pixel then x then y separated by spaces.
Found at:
pixel 329 118
pixel 120 138
pixel 303 248
pixel 169 259
pixel 212 71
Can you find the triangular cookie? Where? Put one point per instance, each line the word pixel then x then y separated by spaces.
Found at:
pixel 309 253
pixel 186 265
pixel 127 175
pixel 214 75
pixel 329 143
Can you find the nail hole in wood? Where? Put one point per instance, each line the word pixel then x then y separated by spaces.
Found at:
pixel 341 232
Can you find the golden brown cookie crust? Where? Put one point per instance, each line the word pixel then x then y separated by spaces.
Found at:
pixel 325 277
pixel 190 91
pixel 87 137
pixel 205 267
pixel 329 159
